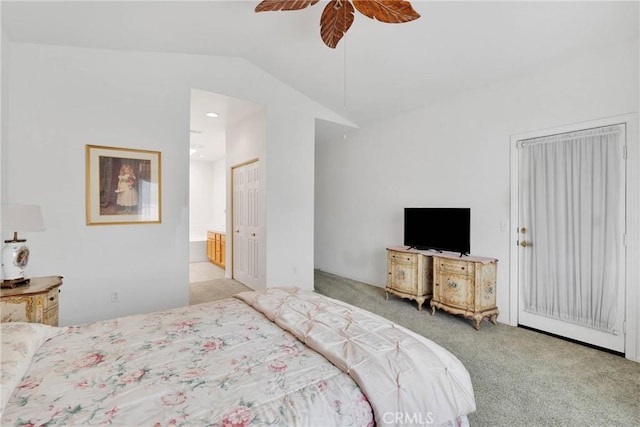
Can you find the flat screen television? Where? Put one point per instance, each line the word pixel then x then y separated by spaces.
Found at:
pixel 439 229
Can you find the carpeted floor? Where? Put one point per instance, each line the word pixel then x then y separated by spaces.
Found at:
pixel 213 290
pixel 207 283
pixel 520 377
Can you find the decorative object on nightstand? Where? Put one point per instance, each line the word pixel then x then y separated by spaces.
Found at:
pixel 15 253
pixel 35 303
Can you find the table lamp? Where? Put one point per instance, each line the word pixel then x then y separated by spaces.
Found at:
pixel 15 254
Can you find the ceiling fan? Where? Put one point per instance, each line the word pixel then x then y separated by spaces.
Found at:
pixel 338 15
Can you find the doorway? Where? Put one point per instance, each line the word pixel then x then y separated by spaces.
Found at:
pixel 570 237
pixel 213 117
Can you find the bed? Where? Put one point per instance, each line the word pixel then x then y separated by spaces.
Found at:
pixel 281 356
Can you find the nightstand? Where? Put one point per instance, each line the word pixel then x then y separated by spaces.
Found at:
pixel 36 302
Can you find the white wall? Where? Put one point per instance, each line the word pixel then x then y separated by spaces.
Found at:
pixel 4 100
pixel 200 199
pixel 456 153
pixel 207 204
pixel 246 142
pixel 207 197
pixel 219 187
pixel 62 98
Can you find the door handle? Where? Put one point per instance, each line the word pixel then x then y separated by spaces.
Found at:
pixel 525 244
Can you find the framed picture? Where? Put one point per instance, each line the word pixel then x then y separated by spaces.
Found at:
pixel 123 186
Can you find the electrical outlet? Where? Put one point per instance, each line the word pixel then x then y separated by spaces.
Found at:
pixel 115 296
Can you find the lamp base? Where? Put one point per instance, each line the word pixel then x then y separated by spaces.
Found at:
pixel 15 256
pixel 14 283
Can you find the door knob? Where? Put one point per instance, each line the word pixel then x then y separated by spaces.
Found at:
pixel 524 243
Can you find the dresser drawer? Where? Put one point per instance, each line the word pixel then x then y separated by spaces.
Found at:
pixel 450 266
pixel 403 258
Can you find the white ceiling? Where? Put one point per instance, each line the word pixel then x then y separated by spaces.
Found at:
pixel 208 133
pixel 379 70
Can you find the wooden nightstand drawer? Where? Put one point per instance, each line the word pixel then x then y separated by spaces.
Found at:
pixel 403 258
pixel 462 268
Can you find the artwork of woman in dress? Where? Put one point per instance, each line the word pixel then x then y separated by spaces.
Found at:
pixel 123 188
pixel 123 182
pixel 127 199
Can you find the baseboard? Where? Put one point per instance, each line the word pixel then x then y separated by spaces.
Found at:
pixel 617 353
pixel 350 278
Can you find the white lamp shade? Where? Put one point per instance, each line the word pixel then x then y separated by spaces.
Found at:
pixel 21 218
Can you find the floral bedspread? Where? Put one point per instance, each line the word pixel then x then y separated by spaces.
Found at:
pixel 213 364
pixel 406 377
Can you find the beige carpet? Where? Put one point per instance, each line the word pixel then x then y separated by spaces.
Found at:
pixel 213 290
pixel 207 283
pixel 520 377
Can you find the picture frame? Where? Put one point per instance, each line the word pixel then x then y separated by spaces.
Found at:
pixel 123 186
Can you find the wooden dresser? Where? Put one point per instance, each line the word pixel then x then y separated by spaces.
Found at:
pixel 464 286
pixel 36 302
pixel 216 248
pixel 409 275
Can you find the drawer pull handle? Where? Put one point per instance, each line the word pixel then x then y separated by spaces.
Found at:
pixel 52 298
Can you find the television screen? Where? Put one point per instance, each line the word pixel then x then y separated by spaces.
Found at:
pixel 441 229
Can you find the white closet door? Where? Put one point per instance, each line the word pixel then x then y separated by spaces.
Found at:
pixel 246 224
pixel 253 223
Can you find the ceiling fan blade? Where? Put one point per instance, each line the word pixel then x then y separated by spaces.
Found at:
pixel 336 19
pixel 274 5
pixel 389 11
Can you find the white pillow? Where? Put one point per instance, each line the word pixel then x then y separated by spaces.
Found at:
pixel 20 341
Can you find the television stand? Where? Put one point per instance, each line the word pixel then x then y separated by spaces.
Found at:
pixel 434 250
pixel 463 286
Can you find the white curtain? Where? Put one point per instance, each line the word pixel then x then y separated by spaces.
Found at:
pixel 573 209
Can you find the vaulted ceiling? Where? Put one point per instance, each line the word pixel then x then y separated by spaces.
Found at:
pixel 376 71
